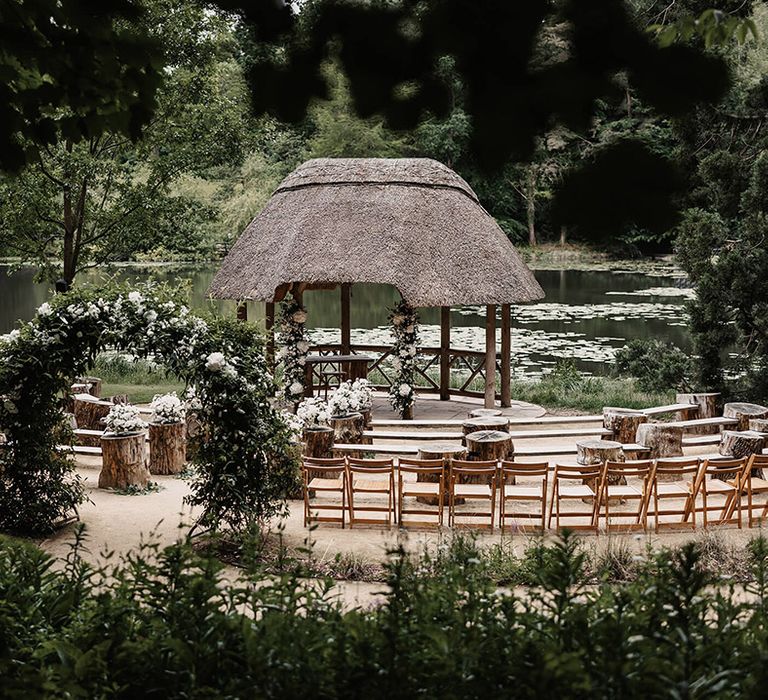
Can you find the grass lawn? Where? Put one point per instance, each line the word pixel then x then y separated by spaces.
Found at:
pixel 141 393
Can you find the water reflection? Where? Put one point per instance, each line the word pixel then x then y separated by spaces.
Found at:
pixel 586 315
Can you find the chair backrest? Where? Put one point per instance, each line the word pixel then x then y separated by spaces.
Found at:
pixel 326 461
pixel 463 466
pixel 635 468
pixel 678 467
pixel 524 469
pixel 372 466
pixel 420 466
pixel 578 471
pixel 309 468
pixel 727 465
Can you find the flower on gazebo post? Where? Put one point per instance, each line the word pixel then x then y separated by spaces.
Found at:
pixel 402 392
pixel 293 349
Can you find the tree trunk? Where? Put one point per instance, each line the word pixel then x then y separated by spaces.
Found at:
pixel 486 445
pixel 590 452
pixel 93 385
pixel 348 429
pixel 707 404
pixel 530 197
pixel 739 444
pixel 318 442
pixel 446 452
pixel 482 412
pixel 662 440
pixel 124 462
pixel 743 412
pixel 759 425
pixel 167 448
pixel 472 425
pixel 623 424
pixel 563 234
pixel 89 411
pixel 195 433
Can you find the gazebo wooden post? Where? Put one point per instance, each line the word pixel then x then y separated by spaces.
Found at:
pixel 506 355
pixel 445 356
pixel 346 344
pixel 269 325
pixel 490 356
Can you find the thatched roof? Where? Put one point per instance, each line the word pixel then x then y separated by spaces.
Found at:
pixel 410 222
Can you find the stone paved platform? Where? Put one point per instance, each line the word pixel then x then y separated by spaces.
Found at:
pixel 429 406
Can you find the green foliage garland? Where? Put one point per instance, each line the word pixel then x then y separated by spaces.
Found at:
pixel 293 343
pixel 243 467
pixel 405 324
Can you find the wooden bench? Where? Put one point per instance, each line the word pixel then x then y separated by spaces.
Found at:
pixel 514 434
pixel 703 422
pixel 79 449
pixel 702 440
pixel 457 422
pixel 671 408
pixel 412 449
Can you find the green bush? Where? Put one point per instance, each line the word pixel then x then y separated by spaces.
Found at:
pixel 657 366
pixel 166 624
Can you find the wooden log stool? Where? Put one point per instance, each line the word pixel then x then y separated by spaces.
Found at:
pixel 445 451
pixel 167 447
pixel 706 402
pixel 662 440
pixel 349 428
pixel 88 411
pixel 472 425
pixel 744 412
pixel 124 461
pixel 738 444
pixel 318 442
pixel 760 425
pixel 623 424
pixel 92 385
pixel 482 412
pixel 590 452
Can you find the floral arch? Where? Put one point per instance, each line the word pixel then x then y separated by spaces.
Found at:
pixel 243 469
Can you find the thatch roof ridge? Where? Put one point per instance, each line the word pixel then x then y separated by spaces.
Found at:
pixel 411 222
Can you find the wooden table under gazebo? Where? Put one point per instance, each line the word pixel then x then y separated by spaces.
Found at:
pixel 411 223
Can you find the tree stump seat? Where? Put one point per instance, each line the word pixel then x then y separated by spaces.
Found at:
pixel 744 412
pixel 472 425
pixel 590 452
pixel 484 412
pixel 661 439
pixel 739 444
pixel 124 461
pixel 706 402
pixel 445 452
pixel 167 448
pixel 623 424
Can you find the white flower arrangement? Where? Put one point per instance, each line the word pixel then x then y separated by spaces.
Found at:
pixel 167 408
pixel 192 401
pixel 405 330
pixel 293 349
pixel 294 424
pixel 350 397
pixel 313 413
pixel 124 419
pixel 364 393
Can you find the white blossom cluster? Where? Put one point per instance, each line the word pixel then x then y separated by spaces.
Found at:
pixel 124 419
pixel 293 349
pixel 350 397
pixel 192 401
pixel 294 424
pixel 167 408
pixel 313 412
pixel 405 328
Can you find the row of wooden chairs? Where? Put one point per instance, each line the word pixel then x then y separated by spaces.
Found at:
pixel 698 487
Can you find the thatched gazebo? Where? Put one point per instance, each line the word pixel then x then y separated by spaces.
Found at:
pixel 411 223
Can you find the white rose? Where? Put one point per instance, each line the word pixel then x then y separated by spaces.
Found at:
pixel 410 329
pixel 296 389
pixel 44 309
pixel 404 390
pixel 135 297
pixel 302 346
pixel 412 351
pixel 299 317
pixel 151 315
pixel 215 361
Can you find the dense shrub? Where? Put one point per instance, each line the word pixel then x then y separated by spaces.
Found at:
pixel 657 366
pixel 167 624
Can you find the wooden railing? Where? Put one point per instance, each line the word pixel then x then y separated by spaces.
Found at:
pixel 470 363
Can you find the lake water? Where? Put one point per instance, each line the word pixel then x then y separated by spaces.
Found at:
pixel 586 315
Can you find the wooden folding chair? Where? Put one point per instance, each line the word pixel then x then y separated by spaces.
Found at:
pixel 639 492
pixel 429 483
pixel 755 485
pixel 512 492
pixel 318 476
pixel 591 477
pixel 725 479
pixel 383 486
pixel 675 479
pixel 483 476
